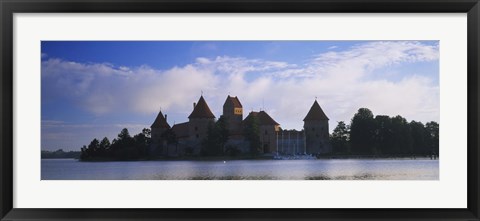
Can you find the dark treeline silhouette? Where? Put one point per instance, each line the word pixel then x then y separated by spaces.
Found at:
pixel 215 144
pixel 60 153
pixel 124 147
pixel 251 131
pixel 367 135
pixel 138 147
pixel 385 136
pixel 217 137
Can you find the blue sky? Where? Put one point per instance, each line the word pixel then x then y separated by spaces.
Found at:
pixel 95 88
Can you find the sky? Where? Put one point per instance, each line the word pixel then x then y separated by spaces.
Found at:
pixel 93 89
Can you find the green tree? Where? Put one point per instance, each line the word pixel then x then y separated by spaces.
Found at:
pixel 251 132
pixel 432 131
pixel 222 127
pixel 216 139
pixel 419 138
pixel 362 132
pixel 91 151
pixel 105 143
pixel 124 135
pixel 403 142
pixel 94 145
pixel 142 142
pixel 383 134
pixel 147 132
pixel 83 153
pixel 124 147
pixel 104 147
pixel 340 138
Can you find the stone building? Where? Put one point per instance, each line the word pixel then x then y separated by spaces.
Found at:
pixel 316 130
pixel 291 142
pixel 159 126
pixel 199 120
pixel 233 114
pixel 313 139
pixel 268 129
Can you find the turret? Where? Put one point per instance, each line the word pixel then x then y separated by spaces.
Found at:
pixel 159 126
pixel 233 114
pixel 316 130
pixel 199 120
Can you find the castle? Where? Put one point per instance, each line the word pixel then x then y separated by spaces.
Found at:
pixel 313 139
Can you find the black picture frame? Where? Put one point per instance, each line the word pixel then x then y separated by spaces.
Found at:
pixel 9 7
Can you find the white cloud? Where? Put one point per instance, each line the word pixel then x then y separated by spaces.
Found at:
pixel 339 79
pixel 72 136
pixel 374 55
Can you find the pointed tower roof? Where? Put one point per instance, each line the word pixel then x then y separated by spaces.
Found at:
pixel 263 118
pixel 234 101
pixel 160 121
pixel 201 110
pixel 316 113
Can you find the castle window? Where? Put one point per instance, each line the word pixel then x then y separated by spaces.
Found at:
pixel 196 128
pixel 197 135
pixel 266 132
pixel 313 129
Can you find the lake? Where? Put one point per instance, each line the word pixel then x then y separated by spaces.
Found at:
pixel 322 169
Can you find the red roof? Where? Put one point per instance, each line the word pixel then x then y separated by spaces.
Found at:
pixel 160 122
pixel 234 101
pixel 181 130
pixel 263 118
pixel 315 113
pixel 201 110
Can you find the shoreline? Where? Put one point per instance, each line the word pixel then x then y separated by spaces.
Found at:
pixel 227 158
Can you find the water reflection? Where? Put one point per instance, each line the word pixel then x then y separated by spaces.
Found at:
pixel 335 169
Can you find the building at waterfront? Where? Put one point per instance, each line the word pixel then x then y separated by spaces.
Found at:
pixel 316 130
pixel 268 129
pixel 187 137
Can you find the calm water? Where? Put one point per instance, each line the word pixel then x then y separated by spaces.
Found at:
pixel 336 169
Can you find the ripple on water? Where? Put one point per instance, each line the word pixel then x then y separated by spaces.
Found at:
pixel 338 169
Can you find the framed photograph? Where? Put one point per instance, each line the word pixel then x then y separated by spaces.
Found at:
pixel 122 110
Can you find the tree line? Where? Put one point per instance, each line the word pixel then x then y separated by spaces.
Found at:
pixel 384 135
pixel 60 153
pixel 124 147
pixel 366 135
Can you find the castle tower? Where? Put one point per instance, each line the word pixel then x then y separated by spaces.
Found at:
pixel 233 114
pixel 199 120
pixel 316 130
pixel 159 126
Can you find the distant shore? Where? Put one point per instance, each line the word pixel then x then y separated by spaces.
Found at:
pixel 230 158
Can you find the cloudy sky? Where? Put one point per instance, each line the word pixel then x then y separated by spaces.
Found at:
pixel 94 89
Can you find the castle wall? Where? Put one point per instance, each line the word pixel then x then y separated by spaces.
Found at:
pixel 291 142
pixel 157 144
pixel 157 134
pixel 234 117
pixel 317 137
pixel 268 138
pixel 197 130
